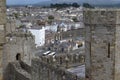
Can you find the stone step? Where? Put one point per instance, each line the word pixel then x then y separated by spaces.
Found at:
pixel 24 73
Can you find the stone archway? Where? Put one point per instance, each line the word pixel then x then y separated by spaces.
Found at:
pixel 18 56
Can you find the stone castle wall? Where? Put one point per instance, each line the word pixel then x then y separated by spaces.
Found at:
pixel 19 46
pixel 45 71
pixel 45 68
pixel 16 72
pixel 2 32
pixel 101 40
pixel 54 68
pixel 64 60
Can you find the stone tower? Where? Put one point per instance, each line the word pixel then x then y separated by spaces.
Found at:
pixel 102 44
pixel 2 31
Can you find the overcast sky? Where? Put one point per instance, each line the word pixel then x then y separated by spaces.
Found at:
pixel 24 1
pixel 35 1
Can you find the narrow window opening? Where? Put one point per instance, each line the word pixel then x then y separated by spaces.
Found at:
pixel 108 50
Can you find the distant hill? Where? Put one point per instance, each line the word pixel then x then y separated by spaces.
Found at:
pixel 98 3
pixel 108 5
pixel 47 3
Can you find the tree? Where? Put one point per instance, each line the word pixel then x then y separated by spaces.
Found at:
pixel 64 5
pixel 16 15
pixel 75 5
pixel 75 19
pixel 86 5
pixel 50 17
pixel 22 26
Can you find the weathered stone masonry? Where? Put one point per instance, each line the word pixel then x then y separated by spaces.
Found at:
pixel 46 68
pixel 2 32
pixel 102 44
pixel 18 71
pixel 19 47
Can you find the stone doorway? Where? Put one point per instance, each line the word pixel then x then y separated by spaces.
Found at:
pixel 18 56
